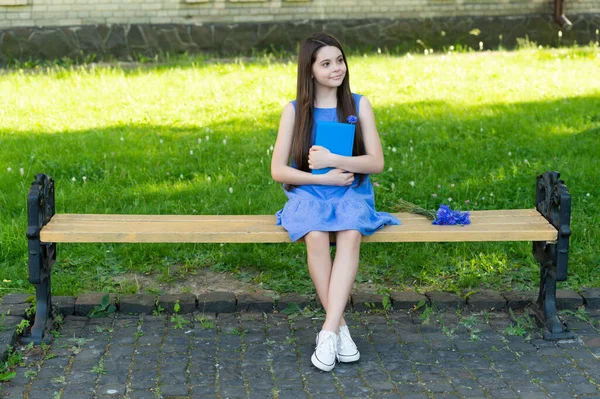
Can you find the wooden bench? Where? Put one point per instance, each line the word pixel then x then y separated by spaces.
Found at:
pixel 547 227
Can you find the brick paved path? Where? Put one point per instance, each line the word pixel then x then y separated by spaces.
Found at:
pixel 256 355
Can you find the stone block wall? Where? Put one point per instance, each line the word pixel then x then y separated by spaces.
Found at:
pixel 95 30
pixel 46 13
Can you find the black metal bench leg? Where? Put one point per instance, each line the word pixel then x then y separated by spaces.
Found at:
pixel 553 201
pixel 43 316
pixel 42 256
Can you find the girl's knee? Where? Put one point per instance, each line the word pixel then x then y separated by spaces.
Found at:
pixel 349 240
pixel 351 235
pixel 316 237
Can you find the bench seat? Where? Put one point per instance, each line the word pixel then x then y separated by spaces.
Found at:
pixel 495 225
pixel 547 226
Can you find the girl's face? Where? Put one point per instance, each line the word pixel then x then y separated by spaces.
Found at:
pixel 329 69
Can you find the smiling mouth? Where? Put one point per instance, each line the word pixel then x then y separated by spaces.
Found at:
pixel 337 77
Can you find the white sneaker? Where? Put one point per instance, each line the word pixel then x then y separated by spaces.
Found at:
pixel 326 351
pixel 347 350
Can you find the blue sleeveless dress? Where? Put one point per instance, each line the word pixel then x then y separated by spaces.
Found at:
pixel 332 208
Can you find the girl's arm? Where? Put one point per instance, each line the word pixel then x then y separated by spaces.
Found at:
pixel 370 163
pixel 283 173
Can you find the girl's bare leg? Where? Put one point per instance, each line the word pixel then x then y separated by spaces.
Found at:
pixel 343 274
pixel 319 265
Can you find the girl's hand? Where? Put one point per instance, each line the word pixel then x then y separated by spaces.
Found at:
pixel 339 177
pixel 319 157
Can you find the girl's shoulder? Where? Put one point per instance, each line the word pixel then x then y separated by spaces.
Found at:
pixel 357 98
pixel 289 112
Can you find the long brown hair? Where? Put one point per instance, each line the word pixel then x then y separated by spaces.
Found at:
pixel 305 103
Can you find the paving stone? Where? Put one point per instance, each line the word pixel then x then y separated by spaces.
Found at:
pixel 322 388
pixel 43 384
pixel 187 302
pixel 11 299
pixel 138 394
pixel 74 387
pixel 111 389
pixel 289 384
pixel 143 381
pixel 114 375
pixel 261 379
pixel 291 394
pixel 144 304
pixel 20 378
pixel 15 309
pixel 520 299
pixel 260 394
pixel 204 389
pixel 471 390
pixel 348 384
pixel 505 393
pixel 65 305
pixel 9 322
pixel 585 389
pixel 254 302
pixel 173 389
pixel 77 396
pixel 441 301
pixel 532 393
pixel 362 302
pixel 386 395
pixel 591 342
pixel 12 391
pixel 285 299
pixel 85 303
pixel 381 385
pixel 217 302
pixel 568 299
pixel 233 391
pixel 391 346
pixel 591 297
pixel 558 389
pixel 41 394
pixel 319 305
pixel 486 300
pixel 447 395
pixel 228 320
pixel 7 339
pixel 413 389
pixel 407 300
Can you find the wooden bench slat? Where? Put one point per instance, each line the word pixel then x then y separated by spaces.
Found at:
pixel 232 227
pixel 507 225
pixel 267 218
pixel 215 225
pixel 503 232
pixel 263 222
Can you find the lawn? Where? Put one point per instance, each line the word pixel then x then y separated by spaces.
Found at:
pixel 194 136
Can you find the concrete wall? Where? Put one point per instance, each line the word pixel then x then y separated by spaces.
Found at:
pixel 46 13
pixel 93 30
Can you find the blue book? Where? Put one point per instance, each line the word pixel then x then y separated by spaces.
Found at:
pixel 337 138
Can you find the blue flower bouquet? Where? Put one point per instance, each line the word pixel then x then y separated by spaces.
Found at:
pixel 444 216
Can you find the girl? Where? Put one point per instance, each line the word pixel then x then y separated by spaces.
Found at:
pixel 340 200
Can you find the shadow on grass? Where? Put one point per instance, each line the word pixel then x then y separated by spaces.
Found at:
pixel 491 153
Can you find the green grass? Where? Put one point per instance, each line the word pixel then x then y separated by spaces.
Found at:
pixel 474 127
